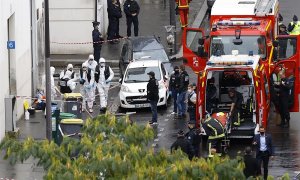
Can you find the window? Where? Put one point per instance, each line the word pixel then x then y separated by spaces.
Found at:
pixel 192 38
pixel 287 47
pixel 136 75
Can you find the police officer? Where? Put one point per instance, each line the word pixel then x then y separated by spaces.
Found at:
pixel 109 3
pixel 103 77
pixel 86 88
pixel 284 90
pixel 152 96
pixel 132 10
pixel 183 86
pixel 174 87
pixel 115 14
pixel 192 103
pixel 97 40
pixel 194 137
pixel 294 26
pixel 236 106
pixel 183 144
pixel 215 132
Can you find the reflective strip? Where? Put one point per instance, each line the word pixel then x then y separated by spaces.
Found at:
pixel 270 57
pixel 296 30
pixel 216 137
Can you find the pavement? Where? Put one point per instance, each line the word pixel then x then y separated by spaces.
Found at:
pixel 158 10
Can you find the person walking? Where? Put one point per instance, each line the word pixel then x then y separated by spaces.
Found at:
pixel 194 137
pixel 103 76
pixel 97 41
pixel 192 103
pixel 174 86
pixel 236 106
pixel 215 132
pixel 115 13
pixel 294 26
pixel 264 150
pixel 152 96
pixel 251 166
pixel 132 10
pixel 183 86
pixel 86 87
pixel 183 144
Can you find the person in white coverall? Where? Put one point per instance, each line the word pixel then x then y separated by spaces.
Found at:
pixel 53 90
pixel 67 80
pixel 92 65
pixel 103 77
pixel 86 87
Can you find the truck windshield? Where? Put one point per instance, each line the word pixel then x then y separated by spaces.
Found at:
pixel 223 45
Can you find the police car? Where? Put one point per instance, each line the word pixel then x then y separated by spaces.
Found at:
pixel 133 93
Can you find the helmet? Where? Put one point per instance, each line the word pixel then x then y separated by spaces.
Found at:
pixel 102 60
pixel 70 66
pixel 91 57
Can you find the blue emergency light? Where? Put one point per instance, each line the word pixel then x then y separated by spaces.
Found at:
pixel 238 23
pixel 228 63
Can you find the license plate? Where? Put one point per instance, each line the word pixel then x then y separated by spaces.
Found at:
pixel 142 105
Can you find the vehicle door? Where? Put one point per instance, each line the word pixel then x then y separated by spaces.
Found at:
pixel 264 97
pixel 124 60
pixel 194 53
pixel 201 91
pixel 165 75
pixel 288 58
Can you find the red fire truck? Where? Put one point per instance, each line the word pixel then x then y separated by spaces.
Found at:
pixel 243 51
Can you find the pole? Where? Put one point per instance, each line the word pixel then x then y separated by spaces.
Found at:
pixel 173 22
pixel 47 71
pixel 96 10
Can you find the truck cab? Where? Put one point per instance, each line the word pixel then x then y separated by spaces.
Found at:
pixel 244 46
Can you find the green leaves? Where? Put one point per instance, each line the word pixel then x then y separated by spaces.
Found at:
pixel 113 148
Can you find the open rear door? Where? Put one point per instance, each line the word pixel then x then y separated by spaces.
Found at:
pixel 289 57
pixel 193 49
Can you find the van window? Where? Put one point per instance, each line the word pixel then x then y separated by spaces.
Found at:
pixel 287 47
pixel 235 79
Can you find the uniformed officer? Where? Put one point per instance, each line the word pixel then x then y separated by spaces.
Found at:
pixel 86 88
pixel 97 41
pixel 294 26
pixel 183 86
pixel 132 10
pixel 183 144
pixel 236 106
pixel 215 132
pixel 174 87
pixel 103 77
pixel 284 90
pixel 192 103
pixel 115 14
pixel 109 3
pixel 194 137
pixel 152 96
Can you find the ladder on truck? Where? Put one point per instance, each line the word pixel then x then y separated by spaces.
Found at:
pixel 263 7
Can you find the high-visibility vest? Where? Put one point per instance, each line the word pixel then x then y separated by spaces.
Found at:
pixel 183 4
pixel 296 30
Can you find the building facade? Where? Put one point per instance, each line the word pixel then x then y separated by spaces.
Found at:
pixel 16 64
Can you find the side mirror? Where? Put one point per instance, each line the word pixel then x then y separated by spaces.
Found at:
pixel 201 41
pixel 275 43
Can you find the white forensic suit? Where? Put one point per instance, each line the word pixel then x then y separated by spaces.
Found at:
pixel 53 90
pixel 103 77
pixel 69 76
pixel 86 87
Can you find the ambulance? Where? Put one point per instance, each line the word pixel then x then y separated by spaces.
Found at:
pixel 243 51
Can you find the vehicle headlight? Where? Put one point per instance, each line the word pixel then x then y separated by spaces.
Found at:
pixel 125 88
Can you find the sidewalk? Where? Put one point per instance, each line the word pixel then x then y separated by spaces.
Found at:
pixel 153 17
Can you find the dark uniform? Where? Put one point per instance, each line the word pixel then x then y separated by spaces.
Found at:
pixel 174 87
pixel 183 144
pixel 109 3
pixel 237 99
pixel 132 7
pixel 284 90
pixel 152 95
pixel 215 132
pixel 97 44
pixel 183 86
pixel 194 137
pixel 115 13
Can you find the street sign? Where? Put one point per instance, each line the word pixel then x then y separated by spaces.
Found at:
pixel 11 44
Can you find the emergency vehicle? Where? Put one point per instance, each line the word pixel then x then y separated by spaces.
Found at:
pixel 244 51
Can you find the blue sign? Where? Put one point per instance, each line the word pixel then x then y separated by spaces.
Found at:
pixel 11 44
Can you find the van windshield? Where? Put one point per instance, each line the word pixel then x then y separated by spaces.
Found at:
pixel 223 45
pixel 136 75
